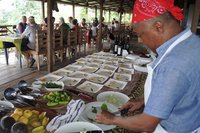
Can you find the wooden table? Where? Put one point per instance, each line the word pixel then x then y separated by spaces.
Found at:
pixel 16 41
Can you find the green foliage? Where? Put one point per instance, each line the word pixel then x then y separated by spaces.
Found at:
pixel 21 7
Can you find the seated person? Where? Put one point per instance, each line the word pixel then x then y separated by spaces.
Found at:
pixel 83 23
pixel 64 27
pixel 22 25
pixel 28 41
pixel 70 19
pixel 44 23
pixel 74 23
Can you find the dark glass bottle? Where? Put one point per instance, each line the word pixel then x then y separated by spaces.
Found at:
pixel 115 45
pixel 119 49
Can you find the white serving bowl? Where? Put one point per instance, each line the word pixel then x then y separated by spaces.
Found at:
pixel 140 68
pixel 118 98
pixel 81 127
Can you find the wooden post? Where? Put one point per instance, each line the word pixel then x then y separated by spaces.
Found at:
pixel 120 18
pixel 73 10
pixel 43 11
pixel 109 17
pixel 95 11
pixel 49 36
pixel 124 17
pixel 100 45
pixel 196 16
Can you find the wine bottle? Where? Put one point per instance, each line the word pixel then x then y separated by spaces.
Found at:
pixel 119 49
pixel 115 46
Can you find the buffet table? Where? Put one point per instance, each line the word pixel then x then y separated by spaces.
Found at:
pixel 86 79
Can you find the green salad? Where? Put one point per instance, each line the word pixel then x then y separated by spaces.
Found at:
pixel 52 85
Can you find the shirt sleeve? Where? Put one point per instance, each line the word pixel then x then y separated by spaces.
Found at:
pixel 168 87
pixel 26 32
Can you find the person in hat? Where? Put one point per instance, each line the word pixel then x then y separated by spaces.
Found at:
pixel 171 94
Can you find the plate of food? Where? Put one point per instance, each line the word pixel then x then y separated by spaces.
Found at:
pixel 62 72
pixel 113 63
pixel 115 98
pixel 88 69
pixel 79 74
pixel 126 65
pixel 109 67
pixel 122 77
pixel 78 127
pixel 91 109
pixel 93 65
pixel 69 81
pixel 125 70
pixel 115 84
pixel 50 77
pixel 97 78
pixel 105 72
pixel 113 59
pixel 72 67
pixel 54 86
pixel 99 61
pixel 82 60
pixel 79 63
pixel 90 87
pixel 92 56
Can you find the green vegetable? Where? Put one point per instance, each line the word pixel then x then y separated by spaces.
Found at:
pixel 94 110
pixel 104 107
pixel 57 98
pixel 51 104
pixel 52 85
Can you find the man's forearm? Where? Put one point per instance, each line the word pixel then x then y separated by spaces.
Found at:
pixel 141 122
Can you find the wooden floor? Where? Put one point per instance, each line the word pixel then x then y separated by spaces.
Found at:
pixel 11 74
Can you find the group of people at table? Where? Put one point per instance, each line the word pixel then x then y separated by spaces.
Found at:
pixel 28 31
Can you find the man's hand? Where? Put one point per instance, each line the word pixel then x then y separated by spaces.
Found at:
pixel 105 117
pixel 133 105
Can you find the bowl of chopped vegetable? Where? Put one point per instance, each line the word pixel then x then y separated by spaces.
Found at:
pixel 115 98
pixel 54 86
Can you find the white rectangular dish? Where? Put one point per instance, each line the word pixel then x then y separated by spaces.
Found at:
pixel 126 65
pixel 90 87
pixel 93 64
pixel 105 72
pixel 97 78
pixel 79 74
pixel 88 69
pixel 82 59
pixel 113 63
pixel 122 77
pixel 72 67
pixel 125 70
pixel 99 61
pixel 79 63
pixel 109 67
pixel 62 72
pixel 50 77
pixel 69 81
pixel 115 84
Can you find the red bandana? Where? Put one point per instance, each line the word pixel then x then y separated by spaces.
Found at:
pixel 146 9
